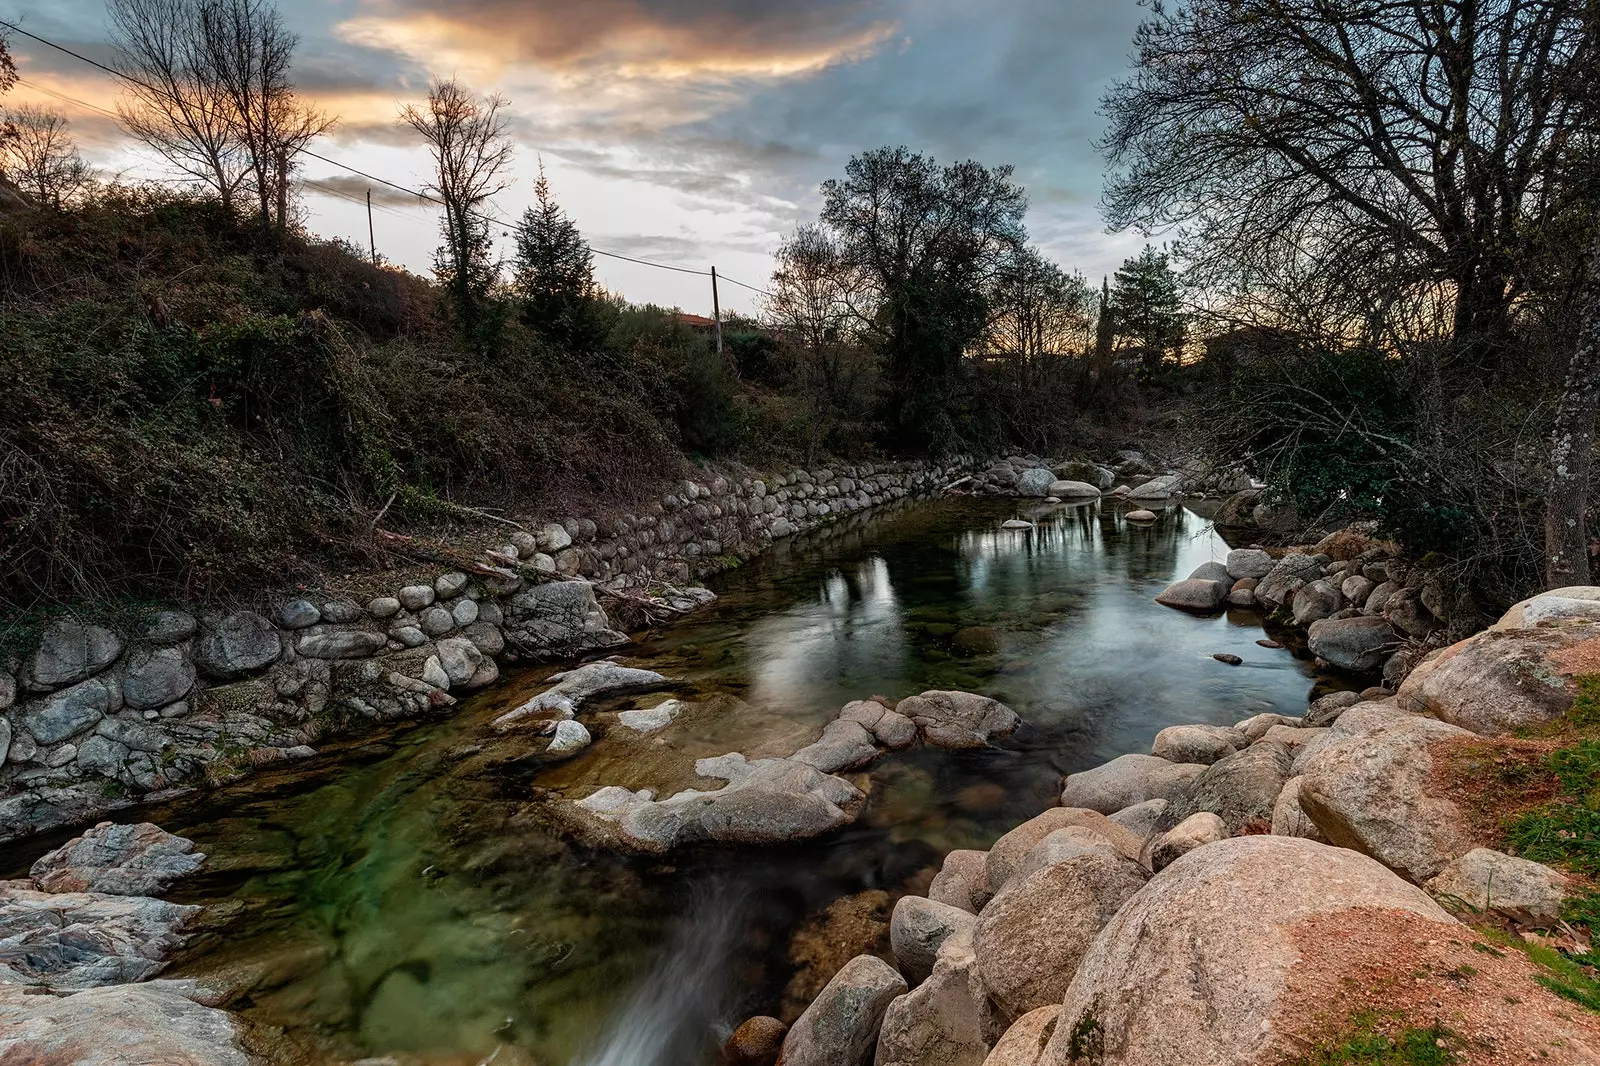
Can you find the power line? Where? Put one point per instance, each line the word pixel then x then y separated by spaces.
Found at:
pixel 419 194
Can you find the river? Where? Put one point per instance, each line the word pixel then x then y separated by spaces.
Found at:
pixel 406 896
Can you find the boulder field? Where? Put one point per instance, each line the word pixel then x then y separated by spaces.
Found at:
pixel 1241 895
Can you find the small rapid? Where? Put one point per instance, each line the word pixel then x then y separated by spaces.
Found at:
pixel 673 1014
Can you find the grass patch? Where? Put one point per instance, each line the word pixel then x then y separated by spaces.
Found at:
pixel 1366 1044
pixel 1575 979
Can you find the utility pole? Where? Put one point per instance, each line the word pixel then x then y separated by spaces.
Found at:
pixel 716 309
pixel 372 241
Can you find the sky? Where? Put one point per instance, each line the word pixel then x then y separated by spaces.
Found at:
pixel 688 132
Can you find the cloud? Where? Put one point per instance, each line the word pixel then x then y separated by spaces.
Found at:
pixel 348 186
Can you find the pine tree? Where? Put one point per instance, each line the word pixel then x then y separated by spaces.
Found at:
pixel 554 275
pixel 1147 306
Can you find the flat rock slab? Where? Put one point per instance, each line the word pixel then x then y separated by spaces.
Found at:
pixel 120 860
pixel 153 1024
pixel 572 688
pixel 74 940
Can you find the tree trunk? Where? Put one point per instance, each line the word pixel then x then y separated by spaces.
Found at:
pixel 1566 527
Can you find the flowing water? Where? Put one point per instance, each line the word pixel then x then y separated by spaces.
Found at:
pixel 411 896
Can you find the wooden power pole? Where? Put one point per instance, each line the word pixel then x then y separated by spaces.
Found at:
pixel 372 241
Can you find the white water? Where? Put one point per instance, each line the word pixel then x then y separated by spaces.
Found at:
pixel 673 1017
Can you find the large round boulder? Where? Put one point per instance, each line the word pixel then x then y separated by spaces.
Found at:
pixel 1032 935
pixel 1370 789
pixel 1195 594
pixel 840 1026
pixel 1575 602
pixel 1197 968
pixel 1197 743
pixel 1126 780
pixel 1288 576
pixel 1007 854
pixel 916 929
pixel 1504 680
pixel 1359 645
pixel 1240 789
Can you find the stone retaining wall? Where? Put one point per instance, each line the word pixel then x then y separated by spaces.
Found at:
pixel 93 719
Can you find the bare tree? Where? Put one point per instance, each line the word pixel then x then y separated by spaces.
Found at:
pixel 1419 140
pixel 813 301
pixel 39 155
pixel 175 102
pixel 468 136
pixel 249 52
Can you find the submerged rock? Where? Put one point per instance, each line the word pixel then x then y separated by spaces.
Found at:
pixel 120 860
pixel 572 688
pixel 1195 594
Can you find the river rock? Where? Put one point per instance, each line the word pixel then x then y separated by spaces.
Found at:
pixel 322 642
pixel 1195 831
pixel 1253 563
pixel 1126 780
pixel 299 613
pixel 1007 853
pixel 1359 645
pixel 1025 1041
pixel 1356 589
pixel 383 607
pixel 766 801
pixel 1035 482
pixel 893 730
pixel 1141 819
pixel 1212 571
pixel 68 652
pixel 559 619
pixel 844 745
pixel 958 720
pixel 1289 819
pixel 1073 490
pixel 1240 788
pixel 1573 603
pixel 416 597
pixel 1504 680
pixel 70 711
pixel 1368 790
pixel 1195 594
pixel 168 627
pixel 840 1027
pixel 1031 936
pixel 236 645
pixel 651 719
pixel 569 737
pixel 1315 601
pixel 156 676
pixel 1325 710
pixel 1196 968
pixel 1404 610
pixel 572 688
pixel 119 860
pixel 155 1024
pixel 1197 743
pixel 944 1021
pixel 450 584
pixel 1141 515
pixel 757 1042
pixel 553 537
pixel 1486 880
pixel 75 940
pixel 916 929
pixel 963 881
pixel 1256 726
pixel 1287 577
pixel 1158 488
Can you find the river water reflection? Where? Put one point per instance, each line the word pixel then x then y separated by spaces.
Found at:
pixel 407 896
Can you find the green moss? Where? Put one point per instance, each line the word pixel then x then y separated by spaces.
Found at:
pixel 1365 1044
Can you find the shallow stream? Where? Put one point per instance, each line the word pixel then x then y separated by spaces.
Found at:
pixel 408 896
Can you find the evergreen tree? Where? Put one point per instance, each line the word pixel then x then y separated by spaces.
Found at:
pixel 554 274
pixel 1147 307
pixel 467 272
